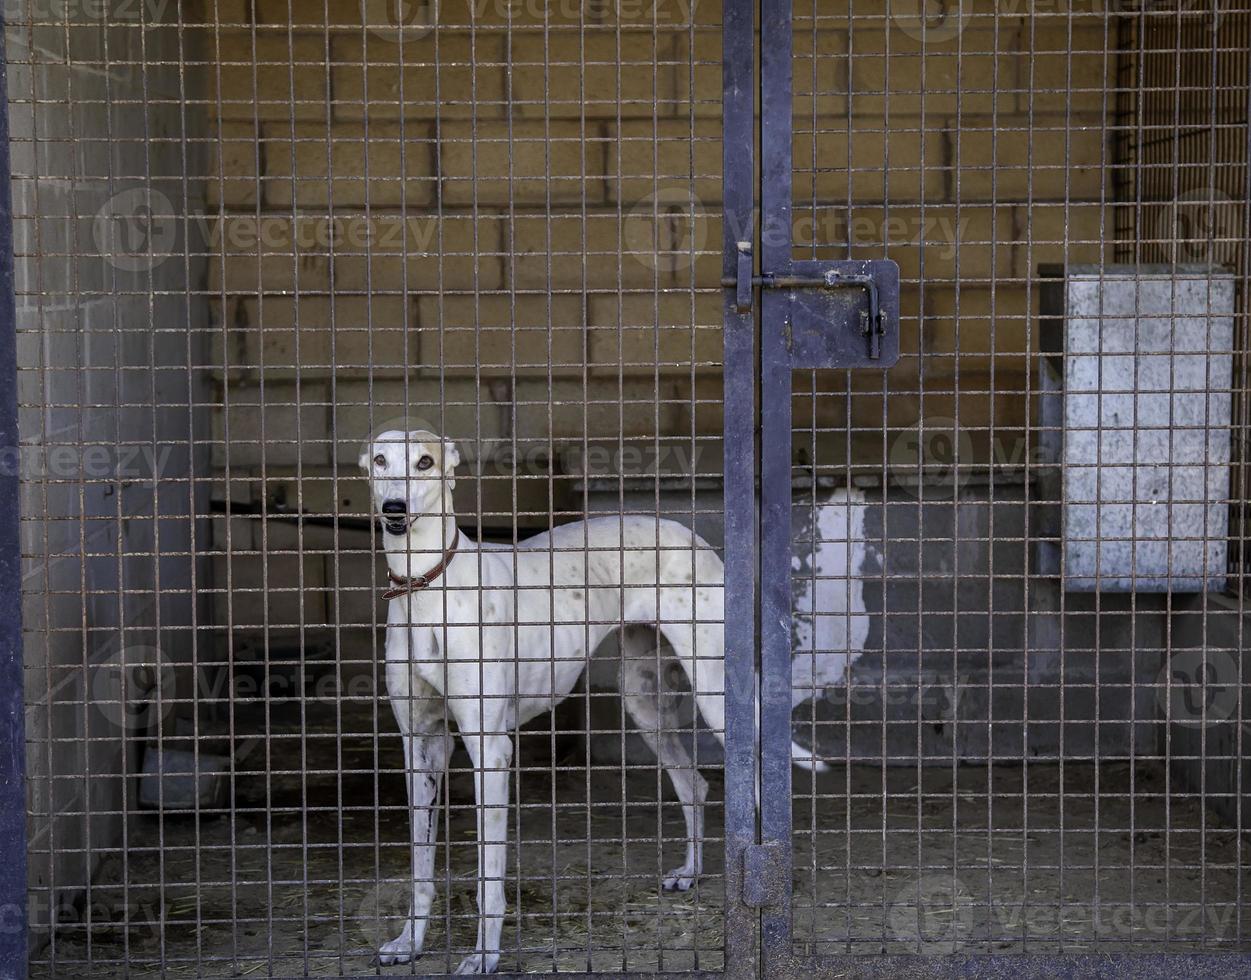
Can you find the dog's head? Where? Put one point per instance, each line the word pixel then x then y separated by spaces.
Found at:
pixel 407 473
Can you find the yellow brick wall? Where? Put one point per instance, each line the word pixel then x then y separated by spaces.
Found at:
pixel 970 159
pixel 489 225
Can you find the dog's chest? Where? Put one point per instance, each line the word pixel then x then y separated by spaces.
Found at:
pixel 433 672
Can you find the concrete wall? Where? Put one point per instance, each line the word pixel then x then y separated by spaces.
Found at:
pixel 558 165
pixel 107 332
pixel 1203 693
pixel 973 655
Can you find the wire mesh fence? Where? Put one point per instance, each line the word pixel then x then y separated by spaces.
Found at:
pixel 1024 525
pixel 371 376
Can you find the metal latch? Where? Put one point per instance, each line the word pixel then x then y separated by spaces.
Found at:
pixel 872 320
pixel 765 867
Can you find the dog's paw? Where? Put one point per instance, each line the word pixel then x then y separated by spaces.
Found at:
pixel 680 879
pixel 478 963
pixel 399 950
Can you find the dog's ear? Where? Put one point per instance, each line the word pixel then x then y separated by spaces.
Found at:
pixel 451 456
pixel 363 463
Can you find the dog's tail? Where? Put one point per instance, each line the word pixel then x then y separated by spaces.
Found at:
pixel 804 759
pixel 801 757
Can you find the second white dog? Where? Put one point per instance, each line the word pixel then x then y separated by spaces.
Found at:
pixel 489 636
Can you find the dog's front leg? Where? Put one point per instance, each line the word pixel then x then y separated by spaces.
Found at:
pixel 425 762
pixel 491 753
pixel 419 712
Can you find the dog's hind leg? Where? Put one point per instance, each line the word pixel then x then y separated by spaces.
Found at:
pixel 700 650
pixel 655 709
pixel 699 647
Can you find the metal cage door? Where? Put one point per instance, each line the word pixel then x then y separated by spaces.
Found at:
pixel 838 316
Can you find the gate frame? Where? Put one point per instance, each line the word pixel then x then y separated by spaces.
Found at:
pixel 740 372
pixel 13 878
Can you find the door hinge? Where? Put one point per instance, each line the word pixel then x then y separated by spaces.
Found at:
pixel 764 869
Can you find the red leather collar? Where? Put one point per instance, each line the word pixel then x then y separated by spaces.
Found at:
pixel 406 586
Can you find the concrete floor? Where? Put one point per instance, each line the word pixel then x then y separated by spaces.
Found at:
pixel 306 875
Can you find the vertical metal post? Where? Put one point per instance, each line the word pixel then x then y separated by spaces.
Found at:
pixel 775 473
pixel 741 527
pixel 12 728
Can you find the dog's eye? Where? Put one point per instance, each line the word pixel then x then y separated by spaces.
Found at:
pixel 425 463
pixel 380 460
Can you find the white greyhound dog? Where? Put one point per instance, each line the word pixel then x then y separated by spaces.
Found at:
pixel 491 635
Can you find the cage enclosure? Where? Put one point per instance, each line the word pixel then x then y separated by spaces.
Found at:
pixel 895 359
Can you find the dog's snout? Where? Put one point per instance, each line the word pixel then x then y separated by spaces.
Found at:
pixel 394 507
